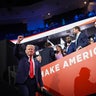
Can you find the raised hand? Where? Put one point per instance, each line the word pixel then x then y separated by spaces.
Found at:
pixel 19 39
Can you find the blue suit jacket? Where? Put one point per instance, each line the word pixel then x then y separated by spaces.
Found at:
pixel 23 68
pixel 82 40
pixel 71 48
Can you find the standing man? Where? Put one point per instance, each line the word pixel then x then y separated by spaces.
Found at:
pixel 28 77
pixel 69 45
pixel 81 38
pixel 47 54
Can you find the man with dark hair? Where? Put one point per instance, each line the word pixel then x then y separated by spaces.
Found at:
pixel 47 44
pixel 47 54
pixel 69 45
pixel 81 38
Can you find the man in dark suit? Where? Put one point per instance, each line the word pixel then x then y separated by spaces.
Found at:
pixel 27 85
pixel 47 54
pixel 81 38
pixel 69 45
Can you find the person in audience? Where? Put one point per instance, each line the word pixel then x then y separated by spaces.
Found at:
pixel 47 54
pixel 28 76
pixel 38 56
pixel 59 52
pixel 91 40
pixel 81 38
pixel 94 32
pixel 69 45
pixel 95 24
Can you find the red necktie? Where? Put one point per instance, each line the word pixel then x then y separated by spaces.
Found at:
pixel 31 73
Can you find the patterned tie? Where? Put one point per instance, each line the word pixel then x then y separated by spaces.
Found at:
pixel 31 73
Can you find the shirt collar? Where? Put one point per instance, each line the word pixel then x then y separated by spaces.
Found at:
pixel 78 34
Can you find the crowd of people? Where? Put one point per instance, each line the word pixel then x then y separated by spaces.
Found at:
pixel 49 54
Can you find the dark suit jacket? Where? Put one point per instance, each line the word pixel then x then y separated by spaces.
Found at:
pixel 71 48
pixel 82 40
pixel 48 55
pixel 23 67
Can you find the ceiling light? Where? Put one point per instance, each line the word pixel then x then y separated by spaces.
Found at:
pixel 85 2
pixel 49 14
